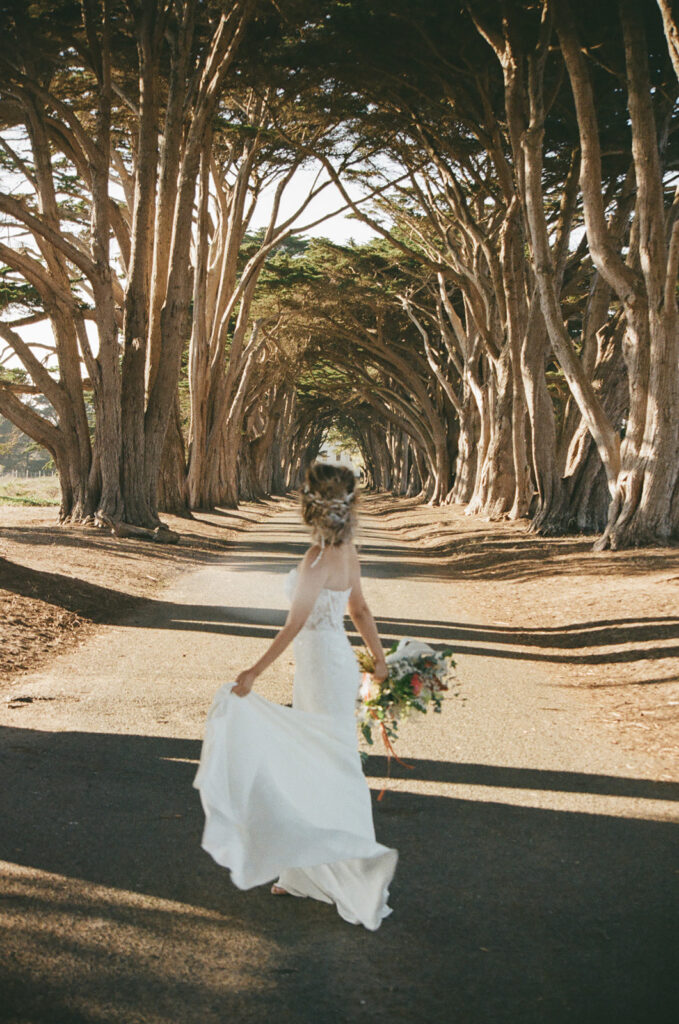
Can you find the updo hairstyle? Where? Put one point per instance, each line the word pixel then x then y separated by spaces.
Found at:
pixel 329 503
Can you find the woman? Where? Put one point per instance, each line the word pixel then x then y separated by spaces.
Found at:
pixel 283 790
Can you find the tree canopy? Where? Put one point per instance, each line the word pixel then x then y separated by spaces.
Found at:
pixel 508 341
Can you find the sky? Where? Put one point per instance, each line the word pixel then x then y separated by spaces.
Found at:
pixel 340 228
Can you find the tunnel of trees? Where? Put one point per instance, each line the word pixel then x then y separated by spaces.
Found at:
pixel 508 340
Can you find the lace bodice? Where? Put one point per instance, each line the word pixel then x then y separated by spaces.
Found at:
pixel 329 608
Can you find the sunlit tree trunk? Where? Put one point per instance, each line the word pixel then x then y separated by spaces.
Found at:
pixel 644 508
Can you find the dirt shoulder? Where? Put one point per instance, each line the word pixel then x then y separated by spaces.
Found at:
pixel 57 583
pixel 607 623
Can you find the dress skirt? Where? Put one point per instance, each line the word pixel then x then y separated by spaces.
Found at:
pixel 285 799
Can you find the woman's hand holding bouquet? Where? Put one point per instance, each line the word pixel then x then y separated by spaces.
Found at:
pixel 416 677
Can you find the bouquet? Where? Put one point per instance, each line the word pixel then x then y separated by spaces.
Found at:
pixel 418 677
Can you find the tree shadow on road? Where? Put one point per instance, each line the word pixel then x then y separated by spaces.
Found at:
pixel 508 777
pixel 550 646
pixel 455 546
pixel 98 603
pixel 501 913
pixel 497 558
pixel 569 643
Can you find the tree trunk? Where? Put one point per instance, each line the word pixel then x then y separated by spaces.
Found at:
pixel 641 511
pixel 465 464
pixel 513 274
pixel 172 496
pixel 496 485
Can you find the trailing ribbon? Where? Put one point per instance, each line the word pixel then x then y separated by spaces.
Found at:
pixel 390 752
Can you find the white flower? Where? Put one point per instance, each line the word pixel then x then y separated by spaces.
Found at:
pixel 363 714
pixel 409 650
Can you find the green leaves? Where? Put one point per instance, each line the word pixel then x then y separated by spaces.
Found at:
pixel 16 293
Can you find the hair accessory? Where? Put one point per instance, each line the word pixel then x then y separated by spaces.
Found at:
pixel 333 506
pixel 327 515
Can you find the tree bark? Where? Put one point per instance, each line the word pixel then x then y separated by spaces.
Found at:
pixel 641 511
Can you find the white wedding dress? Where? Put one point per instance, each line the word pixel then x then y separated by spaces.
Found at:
pixel 282 788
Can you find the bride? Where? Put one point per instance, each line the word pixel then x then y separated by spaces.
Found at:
pixel 283 790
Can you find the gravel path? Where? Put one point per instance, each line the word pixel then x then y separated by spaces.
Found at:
pixel 538 880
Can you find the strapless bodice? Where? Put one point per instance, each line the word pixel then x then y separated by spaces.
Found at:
pixel 329 608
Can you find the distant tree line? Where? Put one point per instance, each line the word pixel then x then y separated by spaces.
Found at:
pixel 19 454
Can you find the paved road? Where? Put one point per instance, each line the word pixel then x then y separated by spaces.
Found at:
pixel 538 879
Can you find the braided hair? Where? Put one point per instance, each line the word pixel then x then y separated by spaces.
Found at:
pixel 329 503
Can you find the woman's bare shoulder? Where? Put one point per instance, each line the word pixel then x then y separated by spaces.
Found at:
pixel 318 563
pixel 310 555
pixel 312 564
pixel 353 553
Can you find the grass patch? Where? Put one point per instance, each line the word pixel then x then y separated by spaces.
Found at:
pixel 32 491
pixel 18 500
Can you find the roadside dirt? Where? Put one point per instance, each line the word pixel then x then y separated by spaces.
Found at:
pixel 57 583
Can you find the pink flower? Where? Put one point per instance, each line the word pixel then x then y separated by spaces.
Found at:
pixel 416 683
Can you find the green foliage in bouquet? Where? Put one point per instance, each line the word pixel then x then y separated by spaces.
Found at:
pixel 418 679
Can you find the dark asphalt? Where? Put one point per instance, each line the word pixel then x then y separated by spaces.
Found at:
pixel 538 880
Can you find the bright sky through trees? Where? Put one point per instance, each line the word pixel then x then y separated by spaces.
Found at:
pixel 340 228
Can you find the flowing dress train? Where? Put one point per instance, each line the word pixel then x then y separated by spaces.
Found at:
pixel 282 788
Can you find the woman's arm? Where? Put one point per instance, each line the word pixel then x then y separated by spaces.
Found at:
pixel 309 584
pixel 363 620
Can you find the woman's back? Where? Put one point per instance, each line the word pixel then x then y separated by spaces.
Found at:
pixel 338 562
